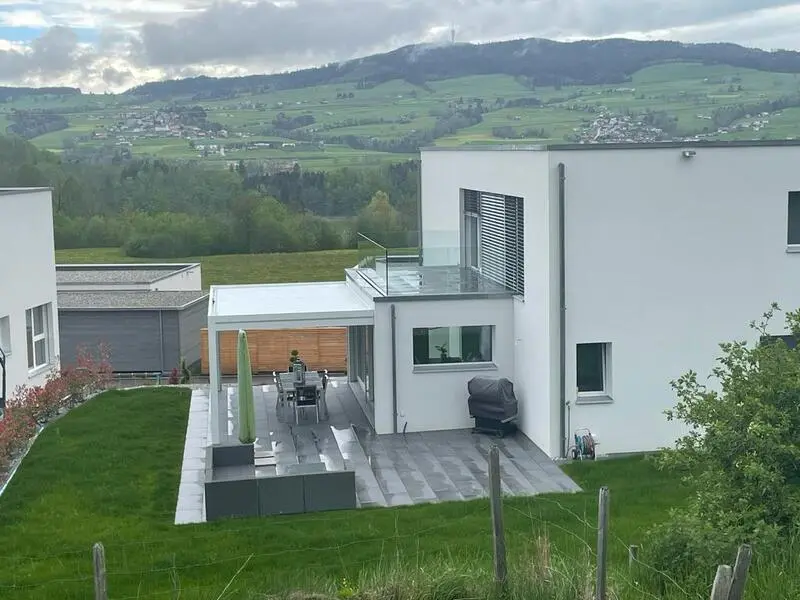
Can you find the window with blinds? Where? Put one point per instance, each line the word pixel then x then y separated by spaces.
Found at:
pixel 500 243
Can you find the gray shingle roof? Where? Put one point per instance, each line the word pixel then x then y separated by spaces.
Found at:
pixel 116 300
pixel 114 274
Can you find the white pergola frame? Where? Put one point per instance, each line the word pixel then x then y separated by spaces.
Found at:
pixel 268 306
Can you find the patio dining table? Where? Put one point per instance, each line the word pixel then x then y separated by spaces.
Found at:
pixel 312 378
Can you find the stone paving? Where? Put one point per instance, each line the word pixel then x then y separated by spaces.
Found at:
pixel 391 470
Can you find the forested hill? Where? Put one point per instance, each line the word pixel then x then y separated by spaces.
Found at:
pixel 535 61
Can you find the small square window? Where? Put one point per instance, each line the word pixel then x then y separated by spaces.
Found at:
pixel 793 219
pixel 592 368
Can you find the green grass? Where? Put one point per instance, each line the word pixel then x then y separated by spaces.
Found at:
pixel 325 265
pixel 109 471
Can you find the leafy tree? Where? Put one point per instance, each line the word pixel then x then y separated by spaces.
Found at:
pixel 380 220
pixel 741 455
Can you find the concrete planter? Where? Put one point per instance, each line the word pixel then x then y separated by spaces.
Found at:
pixel 233 488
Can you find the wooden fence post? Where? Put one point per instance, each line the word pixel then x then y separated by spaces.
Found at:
pixel 633 555
pixel 740 569
pixel 99 560
pixel 602 542
pixel 722 583
pixel 496 501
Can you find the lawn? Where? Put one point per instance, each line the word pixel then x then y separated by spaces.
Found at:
pixel 109 472
pixel 326 265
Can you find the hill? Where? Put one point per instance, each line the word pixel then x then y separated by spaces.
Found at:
pixel 381 109
pixel 539 62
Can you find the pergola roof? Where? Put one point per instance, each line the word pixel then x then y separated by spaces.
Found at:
pixel 287 306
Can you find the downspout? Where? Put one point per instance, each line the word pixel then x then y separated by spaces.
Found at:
pixel 419 213
pixel 161 338
pixel 562 284
pixel 393 314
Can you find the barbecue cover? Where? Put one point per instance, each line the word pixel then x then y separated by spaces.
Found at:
pixel 491 398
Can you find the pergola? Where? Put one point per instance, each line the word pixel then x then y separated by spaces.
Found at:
pixel 275 306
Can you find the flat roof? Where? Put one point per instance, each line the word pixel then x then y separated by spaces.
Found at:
pixel 287 305
pixel 128 300
pixel 98 274
pixel 613 146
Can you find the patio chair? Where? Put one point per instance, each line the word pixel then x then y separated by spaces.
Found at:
pixel 284 396
pixel 306 396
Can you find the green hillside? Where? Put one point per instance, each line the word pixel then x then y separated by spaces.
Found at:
pixel 336 125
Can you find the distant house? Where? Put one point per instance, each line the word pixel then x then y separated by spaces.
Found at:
pixel 149 315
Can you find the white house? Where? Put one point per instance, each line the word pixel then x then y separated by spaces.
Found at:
pixel 589 275
pixel 28 299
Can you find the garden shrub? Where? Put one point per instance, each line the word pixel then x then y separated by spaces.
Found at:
pixel 32 406
pixel 741 456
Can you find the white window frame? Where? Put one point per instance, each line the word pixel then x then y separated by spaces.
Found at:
pixel 5 334
pixel 468 248
pixel 483 365
pixel 596 396
pixel 33 338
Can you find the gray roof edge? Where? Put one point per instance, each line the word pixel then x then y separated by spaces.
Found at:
pixel 614 146
pixel 203 296
pixel 463 296
pixel 181 266
pixel 7 191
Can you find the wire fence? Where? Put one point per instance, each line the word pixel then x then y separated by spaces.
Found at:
pixel 539 544
pixel 510 545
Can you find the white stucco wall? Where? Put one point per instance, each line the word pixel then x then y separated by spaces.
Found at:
pixel 435 399
pixel 187 280
pixel 526 174
pixel 27 276
pixel 667 257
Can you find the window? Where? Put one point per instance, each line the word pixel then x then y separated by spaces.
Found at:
pixel 793 220
pixel 38 325
pixel 471 229
pixel 789 340
pixel 443 345
pixel 592 367
pixel 494 237
pixel 5 334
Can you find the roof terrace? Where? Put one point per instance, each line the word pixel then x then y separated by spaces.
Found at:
pixel 407 270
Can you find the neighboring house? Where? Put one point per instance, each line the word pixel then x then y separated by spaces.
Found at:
pixel 589 275
pixel 148 315
pixel 28 303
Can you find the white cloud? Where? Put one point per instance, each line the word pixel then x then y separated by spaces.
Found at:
pixel 150 39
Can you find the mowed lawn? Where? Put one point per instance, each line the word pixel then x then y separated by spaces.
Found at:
pixel 324 265
pixel 109 471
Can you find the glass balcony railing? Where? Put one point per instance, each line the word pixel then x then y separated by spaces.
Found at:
pixel 404 269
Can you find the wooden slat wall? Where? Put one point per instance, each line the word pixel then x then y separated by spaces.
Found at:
pixel 320 348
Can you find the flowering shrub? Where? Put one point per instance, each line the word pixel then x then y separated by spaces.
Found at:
pixel 32 406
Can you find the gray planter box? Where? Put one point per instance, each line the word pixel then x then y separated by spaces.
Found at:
pixel 232 455
pixel 233 490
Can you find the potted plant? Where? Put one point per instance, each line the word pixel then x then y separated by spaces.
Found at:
pixel 294 356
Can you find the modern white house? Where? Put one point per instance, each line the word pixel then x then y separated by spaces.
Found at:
pixel 589 275
pixel 28 300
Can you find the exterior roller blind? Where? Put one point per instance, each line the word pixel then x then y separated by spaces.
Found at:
pixel 502 241
pixel 493 240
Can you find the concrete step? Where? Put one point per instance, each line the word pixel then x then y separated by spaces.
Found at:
pixel 368 490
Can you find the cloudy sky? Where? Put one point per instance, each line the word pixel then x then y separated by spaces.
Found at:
pixel 110 45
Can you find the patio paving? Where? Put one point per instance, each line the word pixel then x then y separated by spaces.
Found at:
pixel 390 470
